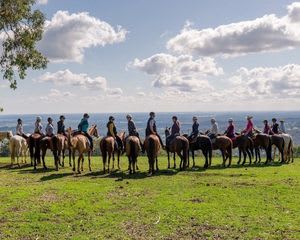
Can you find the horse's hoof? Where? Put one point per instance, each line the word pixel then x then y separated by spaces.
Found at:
pixel 205 166
pixel 78 172
pixel 73 169
pixel 150 174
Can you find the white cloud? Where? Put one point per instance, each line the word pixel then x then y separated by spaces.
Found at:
pixel 42 2
pixel 268 33
pixel 56 95
pixel 181 72
pixel 67 36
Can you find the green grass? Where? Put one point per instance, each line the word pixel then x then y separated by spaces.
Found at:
pixel 251 202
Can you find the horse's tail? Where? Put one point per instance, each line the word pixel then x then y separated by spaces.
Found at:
pixel 185 146
pixel 133 149
pixel 103 147
pixel 251 146
pixel 151 148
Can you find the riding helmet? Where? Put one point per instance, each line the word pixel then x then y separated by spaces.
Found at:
pixel 111 118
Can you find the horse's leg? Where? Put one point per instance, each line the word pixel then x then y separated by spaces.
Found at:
pixel 156 160
pixel 255 150
pixel 223 156
pixel 134 163
pixel 78 163
pixel 119 152
pixel 240 156
pixel 108 161
pixel 281 152
pixel 43 157
pixel 168 153
pixel 89 158
pixel 82 161
pixel 130 162
pixel 249 154
pixel 174 158
pixel 205 153
pixel 70 156
pixel 193 157
pixel 113 165
pixel 73 156
pixel 245 156
pixel 63 158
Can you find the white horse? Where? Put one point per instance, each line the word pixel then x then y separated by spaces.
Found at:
pixel 18 147
pixel 288 148
pixel 4 135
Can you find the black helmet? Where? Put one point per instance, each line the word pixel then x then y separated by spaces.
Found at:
pixel 175 117
pixel 86 115
pixel 111 118
pixel 19 120
pixel 62 117
pixel 274 120
pixel 49 119
pixel 151 113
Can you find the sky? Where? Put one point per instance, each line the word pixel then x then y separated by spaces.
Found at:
pixel 171 55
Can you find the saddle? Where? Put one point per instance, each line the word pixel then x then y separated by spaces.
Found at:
pixel 36 136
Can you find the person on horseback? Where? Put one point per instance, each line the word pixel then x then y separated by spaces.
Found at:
pixel 19 129
pixel 213 132
pixel 83 128
pixel 112 132
pixel 248 131
pixel 275 126
pixel 151 128
pixel 132 131
pixel 61 126
pixel 175 130
pixel 230 132
pixel 49 128
pixel 282 126
pixel 195 129
pixel 267 129
pixel 38 127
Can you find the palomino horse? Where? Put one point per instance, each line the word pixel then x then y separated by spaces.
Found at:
pixel 245 145
pixel 202 143
pixel 35 150
pixel 80 143
pixel 107 147
pixel 18 147
pixel 179 145
pixel 224 144
pixel 132 151
pixel 288 148
pixel 263 141
pixel 152 146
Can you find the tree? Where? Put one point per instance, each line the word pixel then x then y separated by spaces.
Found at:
pixel 20 29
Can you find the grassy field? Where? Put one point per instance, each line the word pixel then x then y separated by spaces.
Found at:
pixel 251 202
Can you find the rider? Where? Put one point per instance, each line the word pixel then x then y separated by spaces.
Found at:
pixel 112 131
pixel 275 126
pixel 175 130
pixel 282 126
pixel 195 129
pixel 132 131
pixel 230 132
pixel 213 132
pixel 19 129
pixel 38 127
pixel 83 127
pixel 61 125
pixel 151 128
pixel 267 129
pixel 248 131
pixel 49 128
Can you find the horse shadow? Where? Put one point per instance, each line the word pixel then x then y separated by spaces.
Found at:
pixel 55 176
pixel 247 165
pixel 14 167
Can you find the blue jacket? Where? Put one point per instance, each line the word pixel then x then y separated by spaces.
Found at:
pixel 83 125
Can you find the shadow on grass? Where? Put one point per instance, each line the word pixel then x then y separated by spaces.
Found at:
pixel 38 170
pixel 247 165
pixel 55 176
pixel 14 167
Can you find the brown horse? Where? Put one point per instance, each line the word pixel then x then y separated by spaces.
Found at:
pixel 80 143
pixel 152 147
pixel 224 144
pixel 132 151
pixel 245 145
pixel 263 141
pixel 179 145
pixel 35 150
pixel 108 150
pixel 48 143
pixel 60 145
pixel 278 141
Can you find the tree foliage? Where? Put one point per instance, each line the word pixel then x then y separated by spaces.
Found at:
pixel 21 28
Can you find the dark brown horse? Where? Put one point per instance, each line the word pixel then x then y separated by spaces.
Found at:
pixel 203 143
pixel 132 151
pixel 108 150
pixel 278 141
pixel 35 150
pixel 262 141
pixel 179 145
pixel 245 145
pixel 224 144
pixel 48 143
pixel 152 147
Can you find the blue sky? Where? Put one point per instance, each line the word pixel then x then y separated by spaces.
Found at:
pixel 166 56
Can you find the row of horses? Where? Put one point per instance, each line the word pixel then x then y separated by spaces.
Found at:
pixel 180 145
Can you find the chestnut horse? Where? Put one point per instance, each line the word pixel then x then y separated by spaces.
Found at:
pixel 263 141
pixel 278 141
pixel 224 144
pixel 132 151
pixel 80 143
pixel 107 147
pixel 203 143
pixel 179 145
pixel 245 145
pixel 152 147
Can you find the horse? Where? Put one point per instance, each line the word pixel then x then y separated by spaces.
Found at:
pixel 6 135
pixel 288 148
pixel 278 141
pixel 203 143
pixel 224 144
pixel 80 143
pixel 179 145
pixel 152 147
pixel 49 143
pixel 59 148
pixel 132 151
pixel 35 150
pixel 263 141
pixel 107 147
pixel 18 147
pixel 245 145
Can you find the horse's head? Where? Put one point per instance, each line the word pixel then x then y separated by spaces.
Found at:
pixel 9 134
pixel 94 131
pixel 167 131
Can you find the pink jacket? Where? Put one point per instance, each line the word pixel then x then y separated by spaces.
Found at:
pixel 249 127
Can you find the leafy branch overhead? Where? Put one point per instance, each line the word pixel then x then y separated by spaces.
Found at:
pixel 21 28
